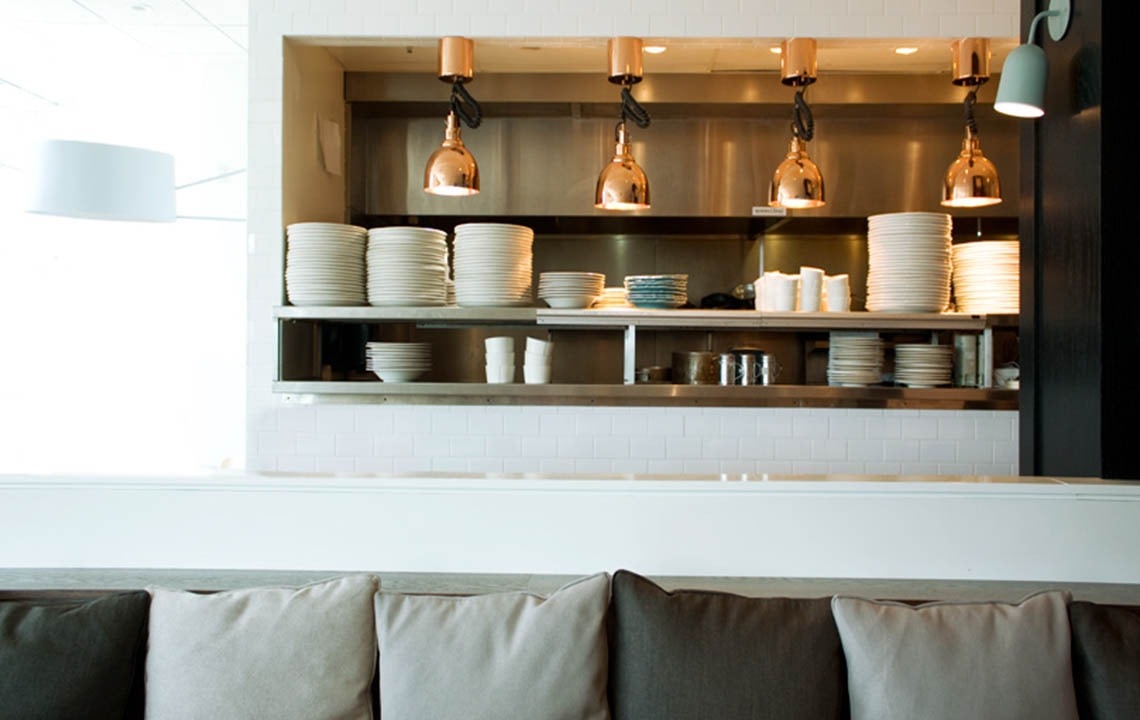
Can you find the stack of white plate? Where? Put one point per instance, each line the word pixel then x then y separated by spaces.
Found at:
pixel 324 264
pixel 570 289
pixel 397 361
pixel 908 262
pixel 612 297
pixel 657 291
pixel 986 276
pixel 407 266
pixel 493 264
pixel 855 359
pixel 921 365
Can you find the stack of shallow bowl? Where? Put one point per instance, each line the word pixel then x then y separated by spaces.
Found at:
pixel 922 365
pixel 657 291
pixel 986 274
pixel 493 265
pixel 397 361
pixel 909 262
pixel 611 297
pixel 407 266
pixel 570 289
pixel 324 264
pixel 854 359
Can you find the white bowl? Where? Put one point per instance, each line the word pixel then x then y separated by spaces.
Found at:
pixel 500 374
pixel 536 374
pixel 536 358
pixel 569 302
pixel 397 375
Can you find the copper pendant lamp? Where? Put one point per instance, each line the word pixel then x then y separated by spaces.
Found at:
pixel 451 169
pixel 622 184
pixel 971 181
pixel 797 182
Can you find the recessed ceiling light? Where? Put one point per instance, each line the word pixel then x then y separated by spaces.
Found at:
pixel 141 7
pixel 654 49
pixel 775 50
pixel 906 50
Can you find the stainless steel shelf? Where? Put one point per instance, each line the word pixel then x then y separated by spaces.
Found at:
pixel 422 315
pixel 821 396
pixel 645 318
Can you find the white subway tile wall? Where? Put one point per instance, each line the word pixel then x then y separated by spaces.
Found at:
pixel 484 439
pixel 366 438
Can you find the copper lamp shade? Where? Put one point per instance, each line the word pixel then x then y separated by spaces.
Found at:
pixel 451 169
pixel 972 180
pixel 797 182
pixel 622 184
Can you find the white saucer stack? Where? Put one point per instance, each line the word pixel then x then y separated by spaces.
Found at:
pixel 986 276
pixel 909 262
pixel 324 264
pixel 493 265
pixel 922 365
pixel 397 361
pixel 407 266
pixel 855 359
pixel 570 289
pixel 611 297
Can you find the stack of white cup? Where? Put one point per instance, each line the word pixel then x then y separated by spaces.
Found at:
pixel 811 288
pixel 500 359
pixel 536 363
pixel 837 293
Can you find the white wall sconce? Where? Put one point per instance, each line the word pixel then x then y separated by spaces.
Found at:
pixel 1021 90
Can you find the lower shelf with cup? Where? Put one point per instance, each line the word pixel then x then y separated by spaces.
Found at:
pixel 578 357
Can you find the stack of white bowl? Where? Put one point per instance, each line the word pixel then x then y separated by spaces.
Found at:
pixel 407 266
pixel 570 289
pixel 536 363
pixel 493 265
pixel 324 264
pixel 397 361
pixel 909 262
pixel 854 359
pixel 657 291
pixel 500 359
pixel 922 365
pixel 986 276
pixel 612 297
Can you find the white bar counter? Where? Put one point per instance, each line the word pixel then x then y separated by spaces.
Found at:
pixel 933 528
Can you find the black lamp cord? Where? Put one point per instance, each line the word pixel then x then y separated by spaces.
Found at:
pixel 803 124
pixel 971 123
pixel 465 107
pixel 633 110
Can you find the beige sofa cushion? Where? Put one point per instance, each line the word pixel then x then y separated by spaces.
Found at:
pixel 281 653
pixel 949 661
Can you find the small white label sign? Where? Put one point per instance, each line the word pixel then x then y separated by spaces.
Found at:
pixel 768 211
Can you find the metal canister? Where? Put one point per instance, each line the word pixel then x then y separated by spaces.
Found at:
pixel 726 363
pixel 753 366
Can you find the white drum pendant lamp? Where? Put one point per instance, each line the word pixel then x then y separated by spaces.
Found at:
pixel 102 182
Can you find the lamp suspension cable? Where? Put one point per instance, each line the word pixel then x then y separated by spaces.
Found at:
pixel 803 124
pixel 465 107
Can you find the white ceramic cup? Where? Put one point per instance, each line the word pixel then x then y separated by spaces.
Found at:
pixel 781 290
pixel 811 288
pixel 499 344
pixel 536 358
pixel 499 374
pixel 500 358
pixel 539 346
pixel 536 374
pixel 837 290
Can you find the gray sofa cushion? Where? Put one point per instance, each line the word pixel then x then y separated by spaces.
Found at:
pixel 495 657
pixel 946 661
pixel 1106 661
pixel 71 659
pixel 281 653
pixel 699 654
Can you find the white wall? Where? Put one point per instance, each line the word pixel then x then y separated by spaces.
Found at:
pixel 366 438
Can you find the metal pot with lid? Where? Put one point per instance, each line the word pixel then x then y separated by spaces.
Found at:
pixel 695 368
pixel 754 366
